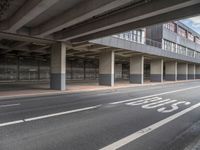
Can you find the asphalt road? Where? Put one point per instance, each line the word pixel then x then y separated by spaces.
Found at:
pixel 161 117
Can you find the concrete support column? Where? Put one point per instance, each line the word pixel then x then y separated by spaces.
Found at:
pixel 156 70
pixel 197 76
pixel 58 69
pixel 137 69
pixel 106 68
pixel 191 71
pixel 182 71
pixel 171 71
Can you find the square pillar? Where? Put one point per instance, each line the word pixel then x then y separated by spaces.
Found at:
pixel 182 71
pixel 197 74
pixel 156 70
pixel 106 68
pixel 137 69
pixel 58 69
pixel 171 71
pixel 191 71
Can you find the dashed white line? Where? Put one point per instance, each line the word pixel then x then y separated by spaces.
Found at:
pixel 9 105
pixel 49 115
pixel 169 92
pixel 11 123
pixel 142 132
pixel 61 113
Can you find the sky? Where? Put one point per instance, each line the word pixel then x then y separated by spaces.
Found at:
pixel 193 23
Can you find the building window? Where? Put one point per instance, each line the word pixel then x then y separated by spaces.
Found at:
pixel 171 26
pixel 181 32
pixel 197 55
pixel 134 35
pixel 197 40
pixel 190 36
pixel 169 46
pixel 181 50
pixel 190 52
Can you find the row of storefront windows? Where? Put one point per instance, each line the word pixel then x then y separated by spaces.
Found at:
pixel 173 47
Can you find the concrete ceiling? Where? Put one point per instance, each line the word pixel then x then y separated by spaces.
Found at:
pixel 56 10
pixel 13 7
pixel 83 20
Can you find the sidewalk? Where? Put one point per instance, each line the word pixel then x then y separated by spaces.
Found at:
pixel 17 90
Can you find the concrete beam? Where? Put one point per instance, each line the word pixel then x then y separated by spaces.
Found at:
pixel 156 70
pixel 82 44
pixel 20 44
pixel 23 38
pixel 30 10
pixel 97 47
pixel 23 49
pixel 128 15
pixel 79 13
pixel 173 15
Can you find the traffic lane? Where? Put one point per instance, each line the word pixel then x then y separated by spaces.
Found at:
pixel 55 100
pixel 169 136
pixel 57 103
pixel 91 129
pixel 22 111
pixel 174 101
pixel 116 122
pixel 108 93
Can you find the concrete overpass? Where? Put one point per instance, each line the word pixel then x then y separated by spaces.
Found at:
pixel 38 26
pixel 77 19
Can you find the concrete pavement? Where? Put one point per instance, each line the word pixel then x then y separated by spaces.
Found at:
pixel 143 118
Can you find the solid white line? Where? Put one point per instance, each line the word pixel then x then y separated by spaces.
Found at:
pixel 148 129
pixel 61 113
pixel 9 105
pixel 10 123
pixel 128 100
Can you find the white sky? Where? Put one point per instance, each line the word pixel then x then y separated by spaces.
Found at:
pixel 193 23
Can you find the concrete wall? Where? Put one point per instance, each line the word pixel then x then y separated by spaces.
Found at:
pixel 174 37
pixel 156 70
pixel 197 71
pixel 191 71
pixel 137 69
pixel 118 71
pixel 171 71
pixel 182 71
pixel 146 49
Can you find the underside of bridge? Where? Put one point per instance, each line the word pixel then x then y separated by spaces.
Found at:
pixel 50 39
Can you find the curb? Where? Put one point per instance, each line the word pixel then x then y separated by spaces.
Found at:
pixel 52 93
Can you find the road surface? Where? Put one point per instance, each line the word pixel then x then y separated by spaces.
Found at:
pixel 160 117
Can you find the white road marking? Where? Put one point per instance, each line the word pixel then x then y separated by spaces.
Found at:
pixel 169 92
pixel 10 123
pixel 49 115
pixel 142 132
pixel 9 105
pixel 62 113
